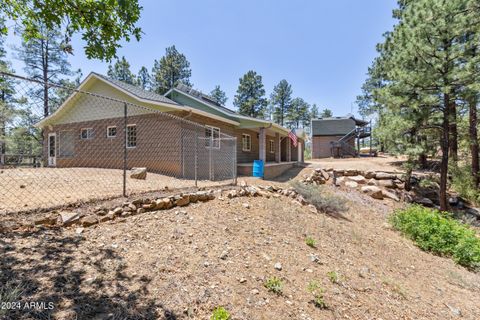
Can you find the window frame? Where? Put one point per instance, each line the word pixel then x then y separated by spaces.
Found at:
pixel 88 137
pixel 207 139
pixel 271 146
pixel 245 135
pixel 126 136
pixel 108 132
pixel 60 138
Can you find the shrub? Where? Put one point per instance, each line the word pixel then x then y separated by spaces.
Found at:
pixel 463 183
pixel 333 276
pixel 274 285
pixel 439 233
pixel 10 292
pixel 319 198
pixel 220 314
pixel 310 242
pixel 317 292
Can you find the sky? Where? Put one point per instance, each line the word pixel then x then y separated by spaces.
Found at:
pixel 323 48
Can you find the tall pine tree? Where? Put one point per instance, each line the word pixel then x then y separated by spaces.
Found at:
pixel 172 69
pixel 250 98
pixel 219 95
pixel 121 71
pixel 281 101
pixel 143 79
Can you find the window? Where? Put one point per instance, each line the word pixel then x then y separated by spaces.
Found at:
pixel 111 132
pixel 271 146
pixel 66 144
pixel 212 137
pixel 246 142
pixel 86 133
pixel 131 136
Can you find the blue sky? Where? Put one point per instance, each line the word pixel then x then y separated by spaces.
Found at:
pixel 322 47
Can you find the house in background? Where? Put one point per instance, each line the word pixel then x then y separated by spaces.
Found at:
pixel 337 136
pixel 85 132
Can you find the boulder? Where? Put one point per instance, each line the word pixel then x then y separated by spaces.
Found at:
pixel 109 216
pixel 372 182
pixel 350 172
pixel 374 192
pixel 202 196
pixel 138 173
pixel 473 213
pixel 251 191
pixel 386 184
pixel 339 181
pixel 159 204
pixel 232 194
pixel 193 197
pixel 339 173
pixel 385 176
pixel 370 174
pixel 182 201
pixel 351 184
pixel 423 201
pixel 89 221
pixel 324 174
pixel 390 195
pixel 358 179
pixel 117 211
pixel 48 220
pixel 68 218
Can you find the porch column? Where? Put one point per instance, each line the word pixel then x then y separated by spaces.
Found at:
pixel 262 145
pixel 289 149
pixel 278 151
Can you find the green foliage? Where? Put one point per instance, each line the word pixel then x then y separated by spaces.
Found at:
pixel 319 198
pixel 172 69
pixel 326 113
pixel 220 314
pixel 281 100
pixel 438 233
pixel 463 183
pixel 102 24
pixel 318 294
pixel 298 114
pixel 219 95
pixel 250 98
pixel 333 277
pixel 121 71
pixel 274 285
pixel 310 242
pixel 314 112
pixel 144 80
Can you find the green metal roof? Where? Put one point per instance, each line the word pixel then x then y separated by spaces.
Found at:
pixel 332 126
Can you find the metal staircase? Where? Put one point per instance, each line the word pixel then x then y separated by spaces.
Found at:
pixel 342 148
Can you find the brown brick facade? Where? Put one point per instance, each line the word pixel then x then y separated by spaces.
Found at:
pixel 321 147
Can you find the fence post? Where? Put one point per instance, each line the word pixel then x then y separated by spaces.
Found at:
pixel 125 149
pixel 235 161
pixel 210 157
pixel 196 157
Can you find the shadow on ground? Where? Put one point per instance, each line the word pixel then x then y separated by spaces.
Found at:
pixel 42 267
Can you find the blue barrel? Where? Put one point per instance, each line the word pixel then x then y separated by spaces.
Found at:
pixel 258 168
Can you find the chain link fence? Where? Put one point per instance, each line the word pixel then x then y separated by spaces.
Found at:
pixel 61 146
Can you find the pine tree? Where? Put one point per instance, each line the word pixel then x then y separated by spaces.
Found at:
pixel 250 98
pixel 281 101
pixel 172 69
pixel 121 71
pixel 314 112
pixel 219 95
pixel 144 79
pixel 297 115
pixel 45 60
pixel 326 113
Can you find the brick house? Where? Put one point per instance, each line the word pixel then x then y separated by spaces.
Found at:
pixel 337 136
pixel 86 131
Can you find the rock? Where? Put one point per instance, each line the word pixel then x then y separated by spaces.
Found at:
pixel 386 184
pixel 159 204
pixel 339 173
pixel 202 196
pixel 117 211
pixel 301 200
pixel 138 173
pixel 453 201
pixel 243 184
pixel 193 197
pixel 242 280
pixel 79 230
pixel 109 216
pixel 182 201
pixel 373 191
pixel 351 184
pixel 390 195
pixel 423 201
pixel 68 218
pixel 251 191
pixel 224 255
pixel 48 220
pixel 350 172
pixel 324 174
pixel 89 221
pixel 372 182
pixel 455 311
pixel 246 205
pixel 149 206
pixel 385 176
pixel 210 195
pixel 339 181
pixel 474 213
pixel 370 174
pixel 167 203
pixel 358 179
pixel 131 207
pixel 255 291
pixel 138 201
pixel 232 194
pixel 278 266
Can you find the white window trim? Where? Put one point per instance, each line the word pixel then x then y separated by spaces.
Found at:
pixel 126 136
pixel 271 146
pixel 88 137
pixel 250 144
pixel 116 131
pixel 212 128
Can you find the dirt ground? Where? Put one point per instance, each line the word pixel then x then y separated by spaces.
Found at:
pixel 380 163
pixel 33 188
pixel 182 263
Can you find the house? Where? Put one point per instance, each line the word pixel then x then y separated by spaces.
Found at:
pixel 337 136
pixel 85 131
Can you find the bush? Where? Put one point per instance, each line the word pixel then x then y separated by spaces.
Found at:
pixel 319 198
pixel 317 292
pixel 463 183
pixel 333 277
pixel 274 285
pixel 310 242
pixel 220 314
pixel 439 233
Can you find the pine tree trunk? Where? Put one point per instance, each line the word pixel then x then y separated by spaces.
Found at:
pixel 472 104
pixel 3 134
pixel 453 143
pixel 444 144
